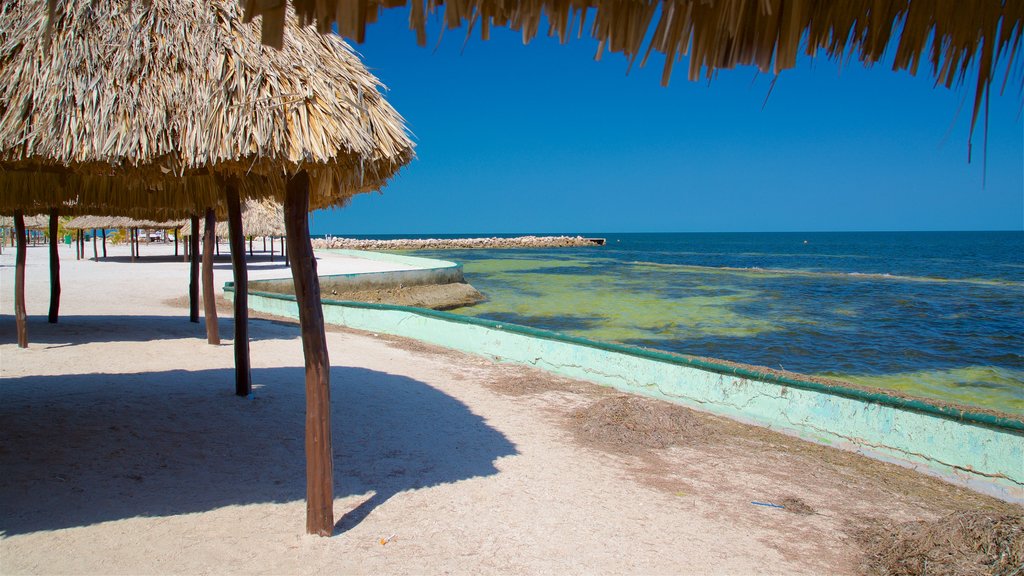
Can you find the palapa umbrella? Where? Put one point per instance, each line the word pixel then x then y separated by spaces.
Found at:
pixel 104 223
pixel 259 218
pixel 954 37
pixel 168 108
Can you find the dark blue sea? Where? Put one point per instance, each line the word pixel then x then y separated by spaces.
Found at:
pixel 933 314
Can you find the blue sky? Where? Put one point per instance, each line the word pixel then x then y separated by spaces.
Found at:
pixel 542 138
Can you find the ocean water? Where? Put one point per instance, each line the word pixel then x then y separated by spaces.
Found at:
pixel 938 315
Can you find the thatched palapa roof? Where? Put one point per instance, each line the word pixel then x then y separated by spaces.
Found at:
pixel 108 222
pixel 31 222
pixel 953 38
pixel 259 218
pixel 139 108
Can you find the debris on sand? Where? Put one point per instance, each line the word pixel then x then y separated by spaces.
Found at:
pixel 626 422
pixel 973 542
pixel 796 506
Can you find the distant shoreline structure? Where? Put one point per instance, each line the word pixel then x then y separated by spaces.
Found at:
pixel 331 242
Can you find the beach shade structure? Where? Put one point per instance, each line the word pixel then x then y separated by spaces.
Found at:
pixel 105 223
pixel 260 218
pixel 953 39
pixel 168 109
pixel 21 225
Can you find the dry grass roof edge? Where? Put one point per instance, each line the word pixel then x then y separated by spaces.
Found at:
pixel 217 104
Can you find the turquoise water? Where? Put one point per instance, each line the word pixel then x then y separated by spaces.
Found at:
pixel 938 315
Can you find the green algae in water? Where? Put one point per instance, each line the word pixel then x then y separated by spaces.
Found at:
pixel 997 388
pixel 616 307
pixel 933 315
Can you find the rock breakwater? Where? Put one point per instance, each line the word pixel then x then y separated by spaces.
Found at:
pixel 456 243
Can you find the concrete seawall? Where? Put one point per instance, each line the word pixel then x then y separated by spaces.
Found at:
pixel 418 272
pixel 978 450
pixel 457 243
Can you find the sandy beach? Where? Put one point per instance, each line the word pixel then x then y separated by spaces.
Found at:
pixel 125 451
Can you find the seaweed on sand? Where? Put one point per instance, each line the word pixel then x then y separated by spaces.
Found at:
pixel 971 542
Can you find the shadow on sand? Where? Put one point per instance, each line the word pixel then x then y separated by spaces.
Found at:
pixel 75 330
pixel 81 449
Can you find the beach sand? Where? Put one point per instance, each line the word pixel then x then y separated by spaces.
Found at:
pixel 123 450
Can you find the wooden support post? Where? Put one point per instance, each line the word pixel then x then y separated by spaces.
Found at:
pixel 54 269
pixel 271 247
pixel 192 247
pixel 104 243
pixel 95 250
pixel 78 241
pixel 209 297
pixel 176 231
pixel 217 239
pixel 243 376
pixel 20 316
pixel 264 243
pixel 250 246
pixel 319 456
pixel 285 251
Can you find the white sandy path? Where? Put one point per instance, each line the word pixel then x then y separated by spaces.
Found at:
pixel 123 450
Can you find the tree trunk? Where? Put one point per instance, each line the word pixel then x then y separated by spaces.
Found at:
pixel 20 316
pixel 209 298
pixel 54 269
pixel 243 377
pixel 104 243
pixel 192 247
pixel 319 457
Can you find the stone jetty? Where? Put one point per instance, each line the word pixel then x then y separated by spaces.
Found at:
pixel 456 243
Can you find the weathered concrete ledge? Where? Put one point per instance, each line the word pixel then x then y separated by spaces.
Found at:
pixel 331 243
pixel 423 282
pixel 978 450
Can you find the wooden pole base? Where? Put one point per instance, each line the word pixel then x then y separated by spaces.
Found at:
pixel 243 375
pixel 319 456
pixel 209 297
pixel 193 268
pixel 54 269
pixel 20 315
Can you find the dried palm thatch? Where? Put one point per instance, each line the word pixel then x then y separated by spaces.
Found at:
pixel 954 37
pixel 31 222
pixel 259 218
pixel 144 107
pixel 108 222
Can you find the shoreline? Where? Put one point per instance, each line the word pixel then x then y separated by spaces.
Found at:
pixel 335 243
pixel 122 448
